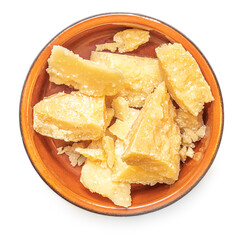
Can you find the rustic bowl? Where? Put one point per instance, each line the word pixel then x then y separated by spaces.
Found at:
pixel 56 170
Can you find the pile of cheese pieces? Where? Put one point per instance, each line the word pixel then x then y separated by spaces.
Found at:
pixel 122 120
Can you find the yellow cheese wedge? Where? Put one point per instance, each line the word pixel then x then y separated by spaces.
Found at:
pixel 134 174
pixel 99 179
pixel 89 78
pixel 184 79
pixel 141 74
pixel 70 117
pixel 154 140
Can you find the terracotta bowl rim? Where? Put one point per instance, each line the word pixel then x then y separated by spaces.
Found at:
pixel 220 130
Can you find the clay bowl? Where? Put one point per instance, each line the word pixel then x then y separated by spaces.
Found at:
pixel 56 170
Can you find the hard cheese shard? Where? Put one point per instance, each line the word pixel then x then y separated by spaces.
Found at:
pixel 70 117
pixel 107 46
pixel 92 154
pixel 89 78
pixel 141 74
pixel 184 79
pixel 123 112
pixel 135 174
pixel 126 41
pixel 125 117
pixel 154 140
pixel 120 129
pixel 109 116
pixel 129 39
pixel 109 149
pixel 99 179
pixel 74 157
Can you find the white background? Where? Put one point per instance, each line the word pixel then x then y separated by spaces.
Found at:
pixel 29 209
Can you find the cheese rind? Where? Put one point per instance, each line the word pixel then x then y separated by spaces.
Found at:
pixel 88 77
pixel 70 117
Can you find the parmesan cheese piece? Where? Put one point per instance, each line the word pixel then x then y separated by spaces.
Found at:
pixel 70 117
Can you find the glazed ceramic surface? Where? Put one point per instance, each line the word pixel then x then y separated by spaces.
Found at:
pixel 56 170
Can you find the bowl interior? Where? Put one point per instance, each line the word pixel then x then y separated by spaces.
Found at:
pixel 56 169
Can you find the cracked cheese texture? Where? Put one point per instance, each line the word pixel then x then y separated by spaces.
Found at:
pixel 184 79
pixel 70 117
pixel 154 140
pixel 99 179
pixel 88 77
pixel 141 74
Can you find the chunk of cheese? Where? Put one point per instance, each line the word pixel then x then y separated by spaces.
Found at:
pixel 154 140
pixel 135 174
pixel 99 179
pixel 123 112
pixel 130 39
pixel 126 41
pixel 70 117
pixel 184 79
pixel 141 74
pixel 88 77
